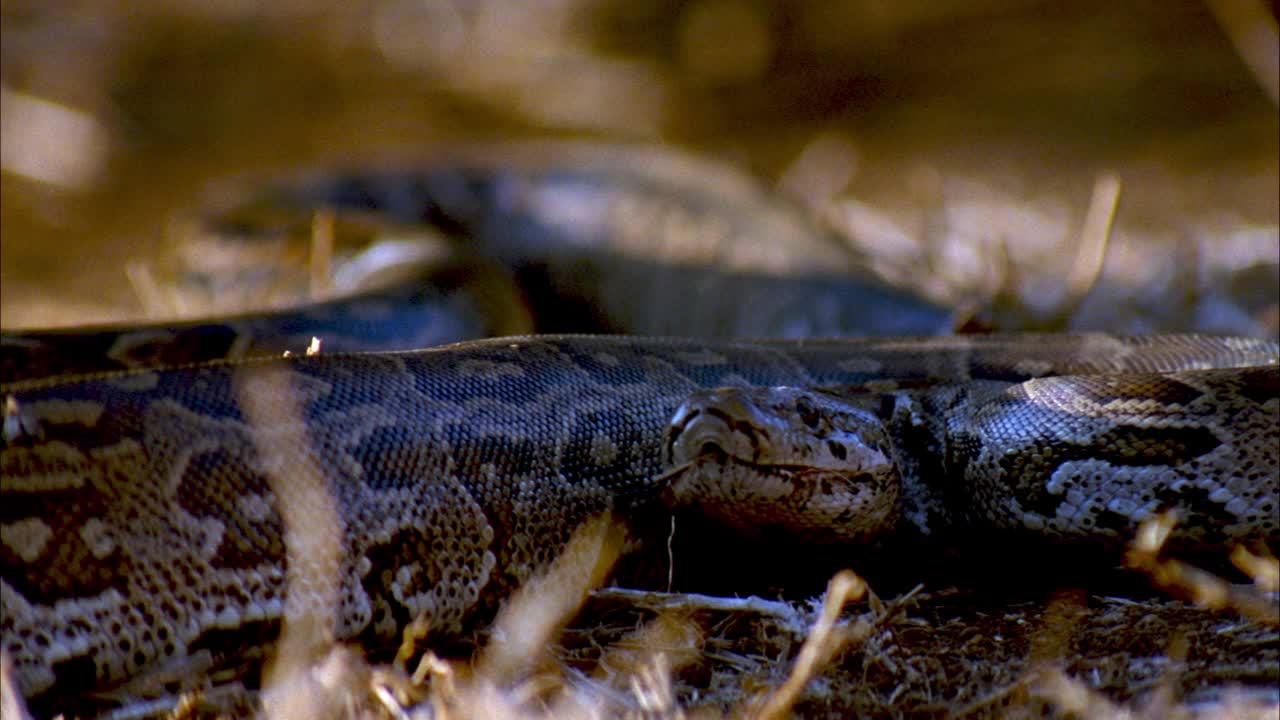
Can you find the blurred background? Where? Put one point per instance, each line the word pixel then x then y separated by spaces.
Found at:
pixel 957 146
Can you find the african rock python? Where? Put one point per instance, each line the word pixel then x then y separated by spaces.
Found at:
pixel 142 518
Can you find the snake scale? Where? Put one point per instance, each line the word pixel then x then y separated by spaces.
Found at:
pixel 142 518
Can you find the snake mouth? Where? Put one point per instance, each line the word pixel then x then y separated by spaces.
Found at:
pixel 710 459
pixel 715 453
pixel 815 504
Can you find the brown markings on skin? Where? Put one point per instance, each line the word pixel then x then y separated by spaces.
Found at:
pixel 68 563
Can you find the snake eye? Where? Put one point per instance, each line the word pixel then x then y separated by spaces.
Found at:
pixel 808 413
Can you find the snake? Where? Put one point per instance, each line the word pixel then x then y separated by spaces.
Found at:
pixel 146 495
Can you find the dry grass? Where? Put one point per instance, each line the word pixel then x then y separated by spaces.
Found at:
pixel 673 655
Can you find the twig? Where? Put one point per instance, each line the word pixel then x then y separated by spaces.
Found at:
pixel 824 641
pixel 1202 587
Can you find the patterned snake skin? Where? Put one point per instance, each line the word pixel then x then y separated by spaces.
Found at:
pixel 143 518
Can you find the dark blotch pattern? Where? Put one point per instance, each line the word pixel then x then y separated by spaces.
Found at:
pixel 228 643
pixel 1260 385
pixel 621 429
pixel 66 566
pixel 505 455
pixel 212 485
pixel 410 545
pixel 392 458
pixel 1105 389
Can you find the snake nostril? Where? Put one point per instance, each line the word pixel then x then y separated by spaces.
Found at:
pixel 808 413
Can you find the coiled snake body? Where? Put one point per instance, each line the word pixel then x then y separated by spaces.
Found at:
pixel 143 514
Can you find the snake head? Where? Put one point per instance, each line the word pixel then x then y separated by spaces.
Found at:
pixel 805 462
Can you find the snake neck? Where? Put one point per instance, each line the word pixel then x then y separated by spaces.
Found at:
pixel 933 502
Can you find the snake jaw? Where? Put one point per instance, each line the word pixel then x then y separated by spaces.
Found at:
pixel 782 457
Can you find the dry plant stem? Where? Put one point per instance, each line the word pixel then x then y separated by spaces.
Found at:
pixel 11 704
pixel 1264 569
pixel 441 672
pixel 155 302
pixel 389 702
pixel 824 641
pixel 1059 623
pixel 672 639
pixel 416 630
pixel 312 532
pixel 1048 645
pixel 1252 30
pixel 651 688
pixel 1203 588
pixel 446 692
pixel 990 699
pixel 171 707
pixel 321 260
pixel 186 706
pixel 1073 697
pixel 1163 700
pixel 1094 238
pixel 536 611
pixel 689 602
